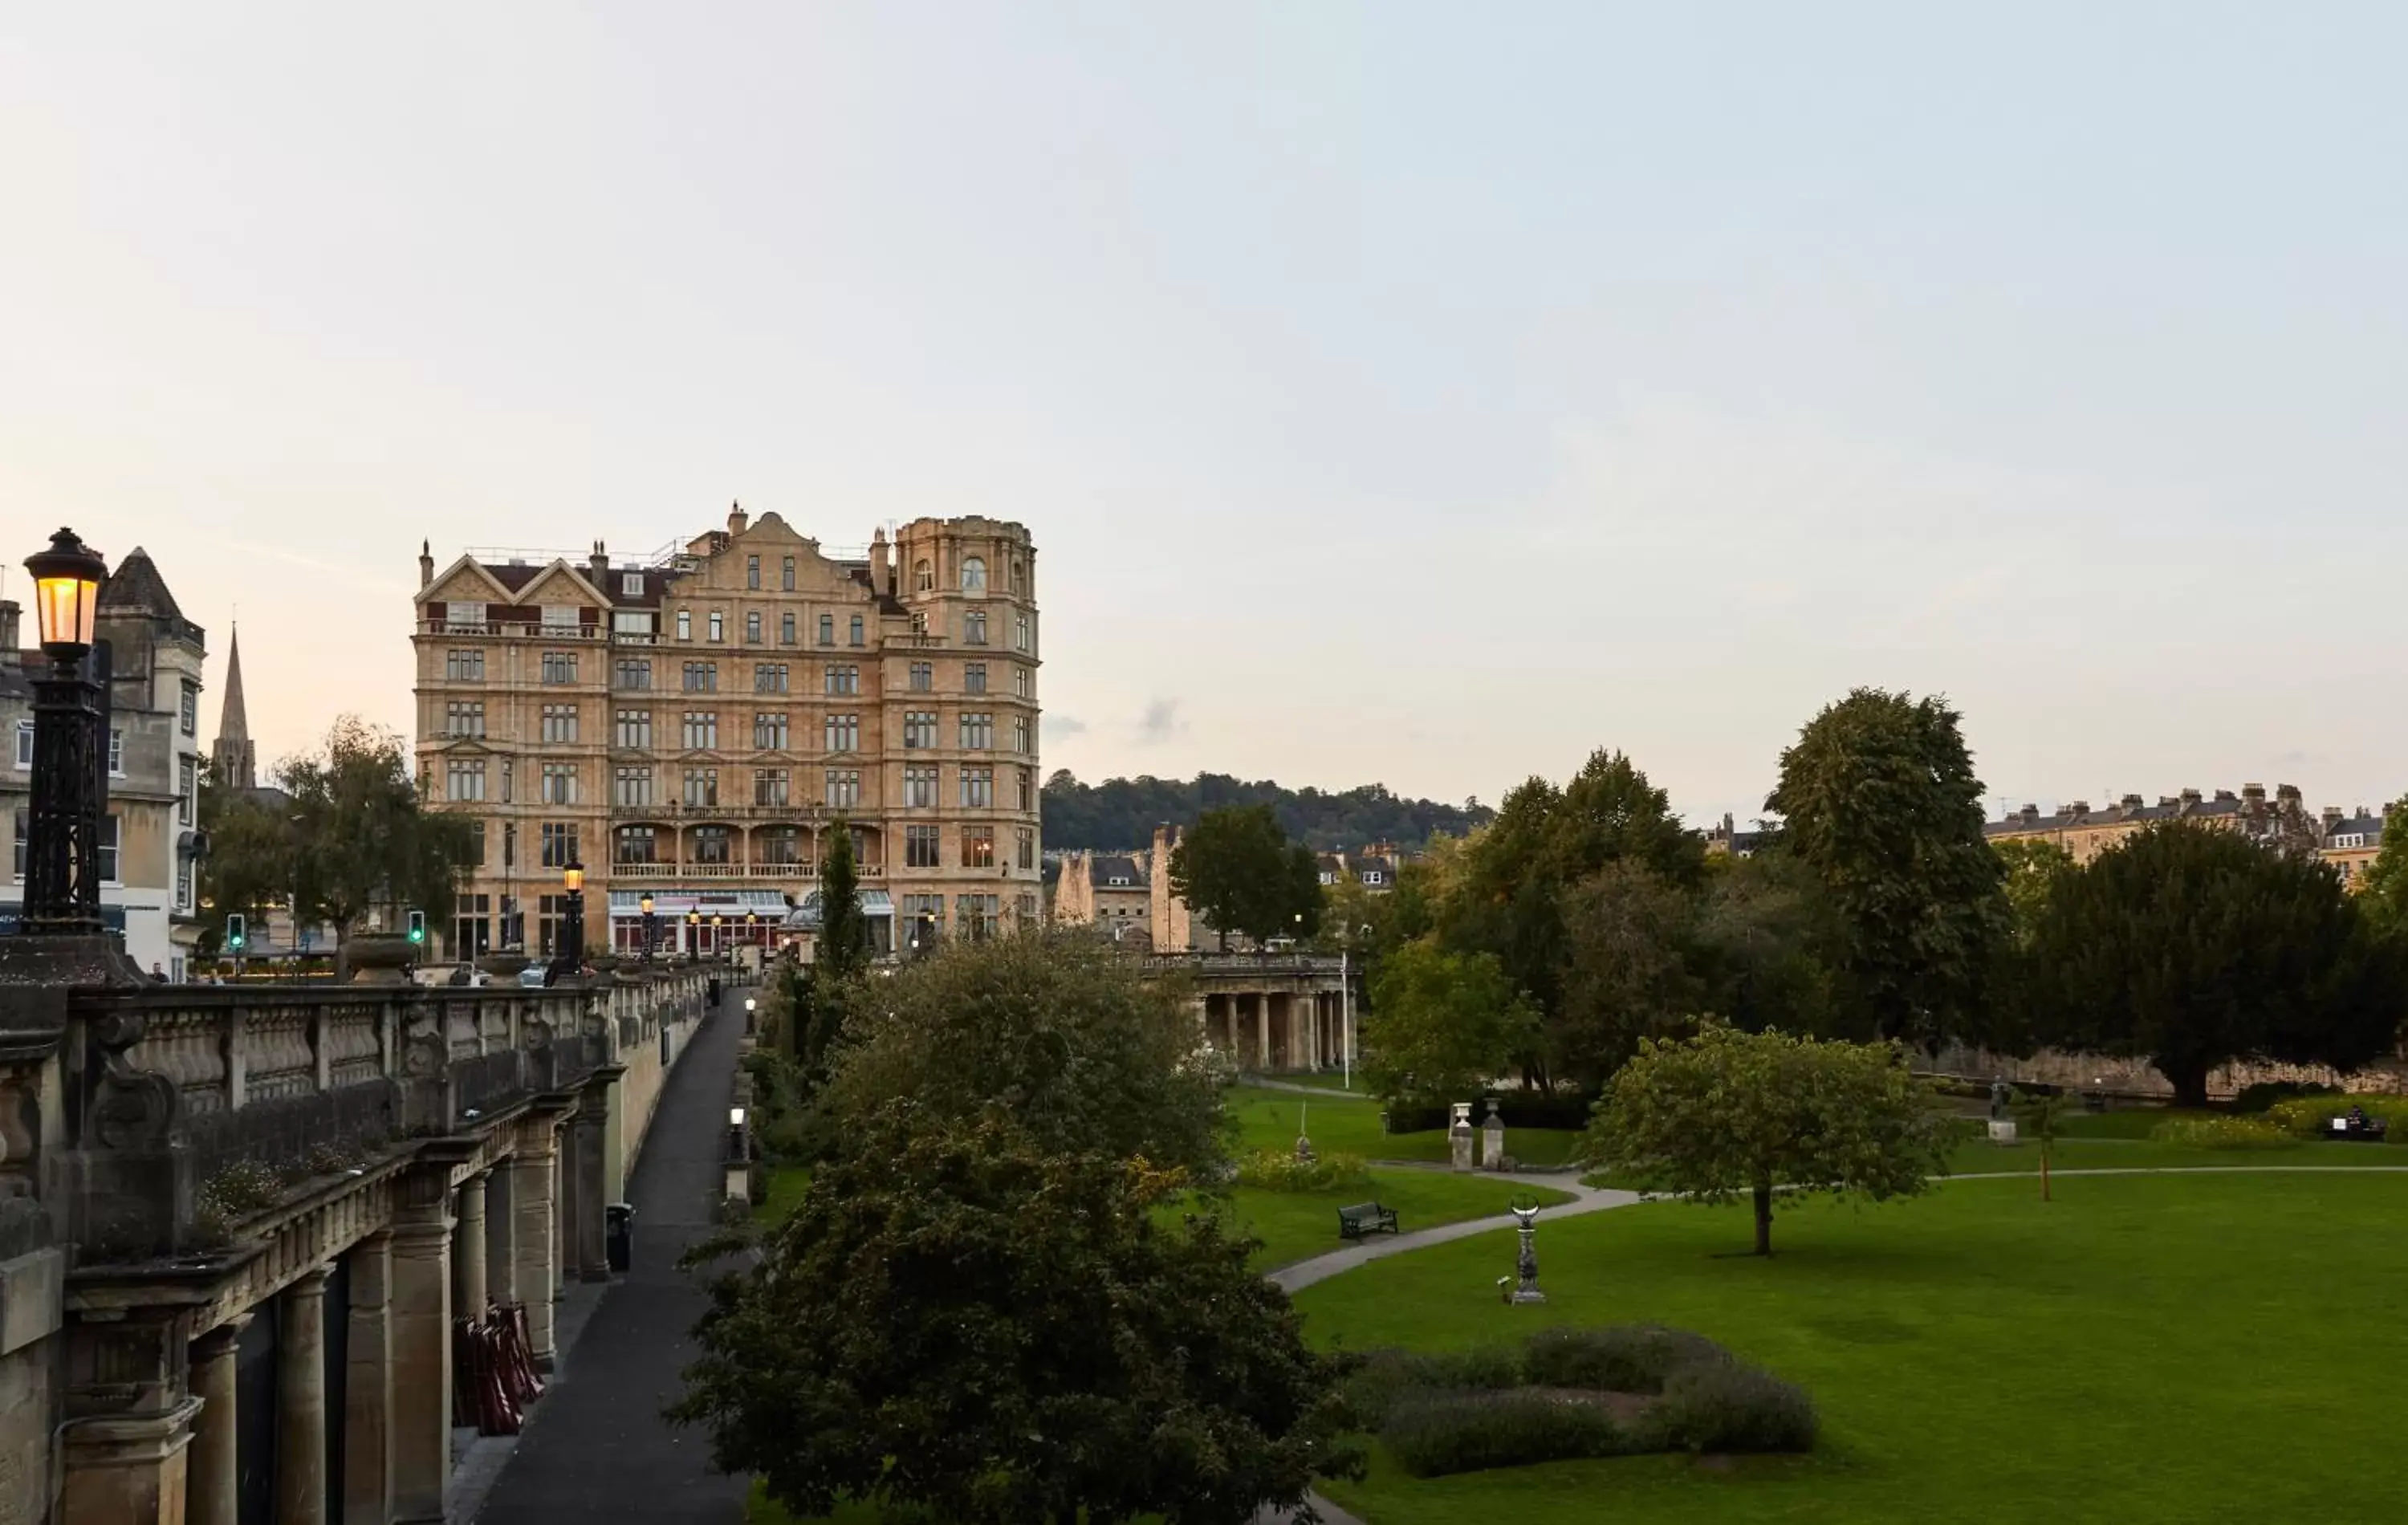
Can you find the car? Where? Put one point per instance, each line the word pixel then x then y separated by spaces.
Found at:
pixel 531 977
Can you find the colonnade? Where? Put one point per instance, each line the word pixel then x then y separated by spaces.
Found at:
pixel 1277 1030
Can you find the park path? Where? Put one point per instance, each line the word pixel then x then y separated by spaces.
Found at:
pixel 595 1446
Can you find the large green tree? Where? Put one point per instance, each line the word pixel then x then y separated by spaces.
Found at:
pixel 1767 945
pixel 1630 971
pixel 1770 1118
pixel 1237 870
pixel 1878 797
pixel 2193 947
pixel 2385 892
pixel 362 835
pixel 962 1319
pixel 1090 1056
pixel 1442 1024
pixel 249 869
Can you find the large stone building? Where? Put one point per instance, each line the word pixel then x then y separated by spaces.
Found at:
pixel 151 842
pixel 692 726
pixel 2347 840
pixel 1111 891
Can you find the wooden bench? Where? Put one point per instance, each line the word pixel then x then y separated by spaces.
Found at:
pixel 2355 1127
pixel 1363 1218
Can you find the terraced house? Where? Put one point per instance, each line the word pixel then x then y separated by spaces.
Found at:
pixel 692 726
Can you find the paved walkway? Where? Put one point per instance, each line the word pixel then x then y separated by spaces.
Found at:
pixel 595 1446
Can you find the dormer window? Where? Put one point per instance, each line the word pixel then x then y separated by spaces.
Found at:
pixel 973 575
pixel 631 585
pixel 1374 877
pixel 1118 881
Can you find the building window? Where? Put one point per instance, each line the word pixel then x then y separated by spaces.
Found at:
pixel 631 622
pixel 780 846
pixel 923 576
pixel 978 847
pixel 923 677
pixel 713 845
pixel 631 584
pixel 560 784
pixel 460 717
pixel 560 666
pixel 974 627
pixel 787 575
pixel 464 779
pixel 1022 629
pixel 472 926
pixel 1029 849
pixel 634 673
pixel 702 677
pixel 920 849
pixel 717 626
pixel 828 629
pixel 973 575
pixel 752 572
pixel 476 844
pixel 635 729
pixel 1016 576
pixel 919 787
pixel 843 733
pixel 188 788
pixel 461 666
pixel 560 721
pixel 787 628
pixel 1028 787
pixel 701 729
pixel 552 913
pixel 559 844
pixel 751 628
pixel 635 786
pixel 188 715
pixel 919 729
pixel 769 732
pixel 768 786
pixel 1023 683
pixel 844 788
pixel 1374 877
pixel 770 678
pixel 854 639
pixel 107 848
pixel 978 789
pixel 685 625
pixel 465 617
pixel 976 915
pixel 974 677
pixel 702 786
pixel 978 732
pixel 845 680
pixel 24 745
pixel 1020 733
pixel 635 844
pixel 560 617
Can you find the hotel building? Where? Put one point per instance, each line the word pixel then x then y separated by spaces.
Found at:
pixel 692 726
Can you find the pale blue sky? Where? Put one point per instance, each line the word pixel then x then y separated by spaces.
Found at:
pixel 1417 393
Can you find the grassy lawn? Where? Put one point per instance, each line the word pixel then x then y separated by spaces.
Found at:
pixel 787 1184
pixel 1294 1225
pixel 1267 1120
pixel 2143 1348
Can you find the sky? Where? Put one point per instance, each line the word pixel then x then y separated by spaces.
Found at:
pixel 1412 393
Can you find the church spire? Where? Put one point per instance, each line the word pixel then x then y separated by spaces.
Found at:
pixel 232 758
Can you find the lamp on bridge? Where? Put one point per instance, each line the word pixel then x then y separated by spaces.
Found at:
pixel 572 938
pixel 70 790
pixel 651 926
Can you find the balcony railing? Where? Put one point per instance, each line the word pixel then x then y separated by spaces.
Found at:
pixel 796 815
pixel 514 628
pixel 732 871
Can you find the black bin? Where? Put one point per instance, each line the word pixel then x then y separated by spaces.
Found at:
pixel 618 1235
pixel 714 991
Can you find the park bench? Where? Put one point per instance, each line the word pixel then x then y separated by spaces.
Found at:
pixel 1363 1218
pixel 2355 1127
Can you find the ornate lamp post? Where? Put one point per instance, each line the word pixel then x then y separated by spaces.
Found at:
pixel 69 781
pixel 572 927
pixel 651 927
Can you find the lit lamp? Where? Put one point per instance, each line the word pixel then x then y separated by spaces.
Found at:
pixel 68 788
pixel 650 927
pixel 572 932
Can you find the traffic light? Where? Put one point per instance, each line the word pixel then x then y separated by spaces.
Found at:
pixel 236 937
pixel 417 928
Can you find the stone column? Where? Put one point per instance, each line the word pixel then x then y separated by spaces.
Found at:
pixel 1261 1029
pixel 368 1385
pixel 468 1251
pixel 589 1139
pixel 420 1324
pixel 301 1401
pixel 531 1211
pixel 501 1236
pixel 213 1466
pixel 565 1199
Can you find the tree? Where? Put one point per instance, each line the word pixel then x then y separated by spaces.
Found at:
pixel 1122 813
pixel 1629 974
pixel 2193 947
pixel 1879 797
pixel 2042 1112
pixel 842 950
pixel 960 1320
pixel 2032 868
pixel 248 868
pixel 1050 1025
pixel 1766 945
pixel 1774 1118
pixel 2384 893
pixel 1237 870
pixel 363 834
pixel 1442 1025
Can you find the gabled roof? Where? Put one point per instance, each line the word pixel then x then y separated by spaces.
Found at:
pixel 135 587
pixel 1102 870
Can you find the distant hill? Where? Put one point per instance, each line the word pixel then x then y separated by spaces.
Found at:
pixel 1124 812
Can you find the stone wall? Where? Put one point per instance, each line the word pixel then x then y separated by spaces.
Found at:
pixel 2136 1077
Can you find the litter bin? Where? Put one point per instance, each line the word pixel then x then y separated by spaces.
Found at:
pixel 714 992
pixel 618 1235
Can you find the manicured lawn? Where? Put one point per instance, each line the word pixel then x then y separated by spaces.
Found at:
pixel 2149 1347
pixel 1294 1225
pixel 1267 1120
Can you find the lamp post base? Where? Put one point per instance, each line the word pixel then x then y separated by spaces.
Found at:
pixel 38 960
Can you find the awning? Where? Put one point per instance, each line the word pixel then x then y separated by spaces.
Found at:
pixel 628 904
pixel 805 916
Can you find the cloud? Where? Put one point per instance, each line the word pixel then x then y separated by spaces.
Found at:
pixel 1061 724
pixel 1160 723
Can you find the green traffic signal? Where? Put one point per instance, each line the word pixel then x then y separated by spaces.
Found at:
pixel 418 927
pixel 234 933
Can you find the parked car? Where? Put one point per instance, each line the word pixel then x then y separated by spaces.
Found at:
pixel 531 977
pixel 468 974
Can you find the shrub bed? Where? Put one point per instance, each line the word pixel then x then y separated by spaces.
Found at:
pixel 1571 1393
pixel 2311 1116
pixel 1518 1110
pixel 1279 1170
pixel 2224 1134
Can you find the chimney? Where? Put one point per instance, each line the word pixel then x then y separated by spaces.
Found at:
pixel 2080 807
pixel 9 613
pixel 2167 801
pixel 2225 797
pixel 2030 814
pixel 2190 800
pixel 2131 804
pixel 2333 817
pixel 2287 796
pixel 425 564
pixel 736 520
pixel 597 568
pixel 2252 797
pixel 882 575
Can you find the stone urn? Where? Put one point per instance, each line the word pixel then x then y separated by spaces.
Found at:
pixel 503 966
pixel 380 959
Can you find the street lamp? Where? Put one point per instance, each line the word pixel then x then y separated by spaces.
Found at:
pixel 70 790
pixel 572 939
pixel 651 927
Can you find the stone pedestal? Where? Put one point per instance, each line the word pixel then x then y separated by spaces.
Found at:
pixel 368 1385
pixel 131 1471
pixel 301 1402
pixel 212 1465
pixel 531 1214
pixel 127 1441
pixel 1492 1140
pixel 587 1138
pixel 1459 1136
